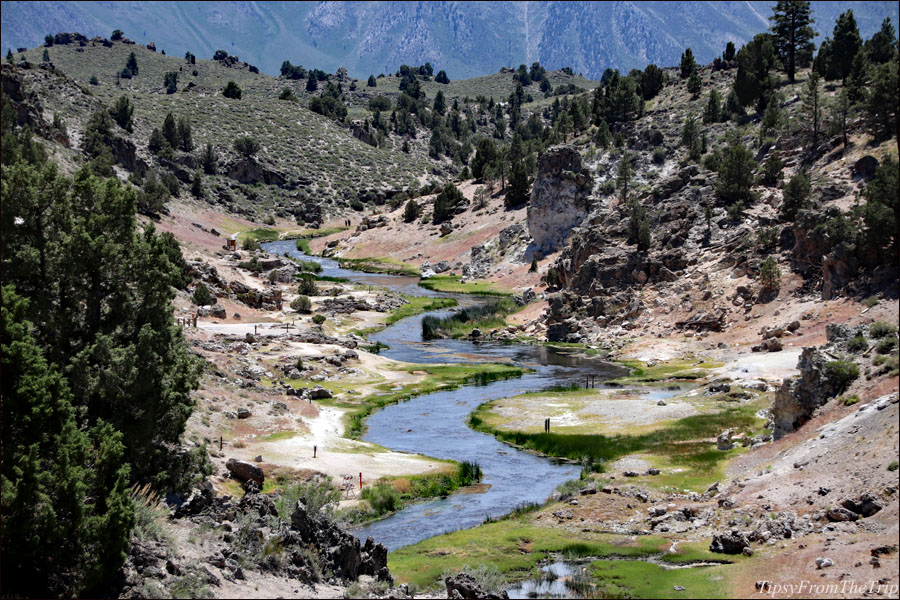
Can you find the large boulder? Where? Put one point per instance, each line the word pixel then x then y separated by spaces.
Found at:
pixel 245 471
pixel 464 586
pixel 559 198
pixel 733 542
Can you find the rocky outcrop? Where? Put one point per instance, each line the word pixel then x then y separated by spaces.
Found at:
pixel 251 171
pixel 464 586
pixel 559 198
pixel 733 542
pixel 244 471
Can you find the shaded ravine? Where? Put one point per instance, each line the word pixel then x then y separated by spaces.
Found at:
pixel 436 424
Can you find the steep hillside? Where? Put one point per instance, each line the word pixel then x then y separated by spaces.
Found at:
pixel 468 41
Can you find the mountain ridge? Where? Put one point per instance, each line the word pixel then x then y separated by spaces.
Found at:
pixel 369 37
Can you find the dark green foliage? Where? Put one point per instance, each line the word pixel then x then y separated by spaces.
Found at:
pixel 131 65
pixel 246 146
pixel 290 71
pixel 713 111
pixel 858 343
pixel 307 285
pixel 312 83
pixel 441 77
pixel 412 211
pixel 617 101
pixel 887 345
pixel 287 94
pixel 812 107
pixel 46 56
pixel 329 104
pixel 766 238
pixel 97 142
pixel 517 192
pixel 100 293
pixel 772 170
pixel 301 304
pixel 170 130
pixel 183 135
pixel 753 82
pixel 881 212
pixel 792 34
pixel 116 35
pixel 152 197
pixel 208 160
pixel 379 103
pixel 857 78
pixel 382 498
pixel 485 155
pixel 638 226
pixel 694 84
pixel 882 46
pixel 157 142
pixel 688 65
pixel 691 138
pixel 534 266
pixel 659 155
pixel 796 195
pixel 202 296
pixel 881 329
pixel 9 56
pixel 651 81
pixel 769 274
pixel 603 137
pixel 122 112
pixel 197 185
pixel 728 55
pixel 444 203
pixel 846 42
pixel 94 80
pixel 171 182
pixel 220 55
pixel 232 90
pixel 371 82
pixel 880 105
pixel 840 374
pixel 733 106
pixel 170 81
pixel 318 319
pixel 735 172
pixel 189 58
pixel 65 504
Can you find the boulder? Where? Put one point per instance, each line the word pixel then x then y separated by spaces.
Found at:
pixel 245 471
pixel 319 393
pixel 463 585
pixel 729 543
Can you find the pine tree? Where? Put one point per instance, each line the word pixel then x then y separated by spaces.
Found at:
pixel 131 65
pixel 232 90
pixel 519 184
pixel 688 65
pixel 713 111
pixel 857 78
pixel 170 81
pixel 623 176
pixel 881 47
pixel 844 46
pixel 796 193
pixel 694 84
pixel 880 106
pixel 412 210
pixel 651 81
pixel 9 55
pixel 735 172
pixel 170 130
pixel 46 56
pixel 183 133
pixel 753 82
pixel 441 77
pixel 840 115
pixel 197 185
pixel 439 104
pixel 812 107
pixel 371 82
pixel 312 83
pixel 792 34
pixel 157 141
pixel 208 160
pixel 122 112
pixel 603 136
pixel 729 53
pixel 769 274
pixel 444 203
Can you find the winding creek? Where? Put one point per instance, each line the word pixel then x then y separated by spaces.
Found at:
pixel 436 424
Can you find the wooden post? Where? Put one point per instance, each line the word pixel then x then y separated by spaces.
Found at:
pixel 548 425
pixel 314 451
pixel 220 443
pixel 360 481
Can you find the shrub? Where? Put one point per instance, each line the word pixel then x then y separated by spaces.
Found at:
pixel 850 400
pixel 840 374
pixel 301 304
pixel 382 498
pixel 246 146
pixel 232 90
pixel 202 296
pixel 872 301
pixel 412 211
pixel 880 329
pixel 307 285
pixel 318 319
pixel 858 343
pixel 659 155
pixel 250 244
pixel 316 494
pixel 886 345
pixel 769 274
pixel 357 205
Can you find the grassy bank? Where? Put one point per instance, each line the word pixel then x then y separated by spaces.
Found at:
pixel 453 284
pixel 304 236
pixel 515 546
pixel 383 266
pixel 415 305
pixel 684 369
pixel 461 323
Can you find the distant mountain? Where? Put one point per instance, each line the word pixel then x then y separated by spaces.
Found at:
pixel 467 39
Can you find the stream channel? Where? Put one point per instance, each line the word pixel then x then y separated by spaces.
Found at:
pixel 436 424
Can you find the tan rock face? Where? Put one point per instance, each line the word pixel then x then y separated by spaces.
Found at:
pixel 559 198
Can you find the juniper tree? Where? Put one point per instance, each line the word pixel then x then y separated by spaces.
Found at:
pixel 121 112
pixel 131 65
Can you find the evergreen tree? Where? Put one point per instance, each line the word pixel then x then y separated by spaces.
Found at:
pixel 312 83
pixel 651 81
pixel 445 202
pixel 519 184
pixel 412 211
pixel 246 146
pixel 792 34
pixel 170 130
pixel 881 47
pixel 713 111
pixel 439 104
pixel 769 274
pixel 845 44
pixel 9 55
pixel 183 133
pixel 881 213
pixel 880 105
pixel 485 155
pixel 753 82
pixel 208 160
pixel 197 185
pixel 795 196
pixel 170 81
pixel 840 115
pixel 603 136
pixel 441 77
pixel 157 141
pixel 232 90
pixel 729 53
pixel 371 82
pixel 691 139
pixel 688 65
pixel 131 65
pixel 65 504
pixel 772 170
pixel 694 84
pixel 735 172
pixel 46 56
pixel 857 78
pixel 122 112
pixel 812 108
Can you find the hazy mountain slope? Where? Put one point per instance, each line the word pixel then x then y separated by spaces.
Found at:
pixel 466 40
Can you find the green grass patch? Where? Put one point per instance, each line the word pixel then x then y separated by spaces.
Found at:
pixel 513 546
pixel 453 284
pixel 260 234
pixel 384 266
pixel 639 579
pixel 673 369
pixel 461 323
pixel 279 435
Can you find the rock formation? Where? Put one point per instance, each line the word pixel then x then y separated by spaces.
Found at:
pixel 559 198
